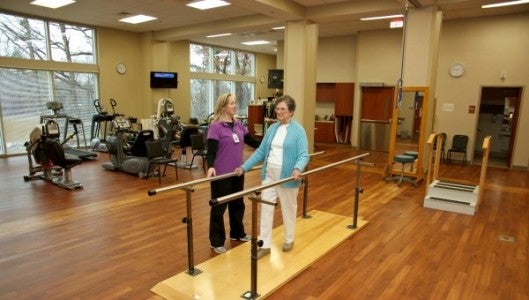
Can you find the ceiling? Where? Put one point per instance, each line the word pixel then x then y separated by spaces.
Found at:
pixel 246 19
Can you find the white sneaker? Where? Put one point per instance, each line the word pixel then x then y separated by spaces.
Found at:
pixel 219 250
pixel 245 238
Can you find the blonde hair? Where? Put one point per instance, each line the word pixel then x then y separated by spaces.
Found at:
pixel 222 101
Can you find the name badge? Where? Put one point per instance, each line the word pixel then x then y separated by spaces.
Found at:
pixel 235 138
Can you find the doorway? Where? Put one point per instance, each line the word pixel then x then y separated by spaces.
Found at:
pixel 498 117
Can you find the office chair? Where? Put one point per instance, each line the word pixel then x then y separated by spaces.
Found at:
pixel 459 145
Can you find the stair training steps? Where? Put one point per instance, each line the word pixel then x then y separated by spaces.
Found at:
pixel 454 197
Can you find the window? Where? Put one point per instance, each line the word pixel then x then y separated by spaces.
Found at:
pixel 25 91
pixel 215 71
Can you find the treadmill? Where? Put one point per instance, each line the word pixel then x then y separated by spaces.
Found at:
pixel 56 107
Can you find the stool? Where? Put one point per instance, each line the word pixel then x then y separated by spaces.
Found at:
pixel 415 154
pixel 402 159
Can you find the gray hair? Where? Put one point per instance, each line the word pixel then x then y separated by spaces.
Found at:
pixel 289 101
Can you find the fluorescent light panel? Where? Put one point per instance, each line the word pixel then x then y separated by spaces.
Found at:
pixel 218 35
pixel 207 4
pixel 505 4
pixel 382 17
pixel 137 19
pixel 52 3
pixel 252 43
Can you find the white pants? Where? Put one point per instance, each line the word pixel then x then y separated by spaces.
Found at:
pixel 287 201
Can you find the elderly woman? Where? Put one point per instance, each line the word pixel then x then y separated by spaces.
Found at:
pixel 283 153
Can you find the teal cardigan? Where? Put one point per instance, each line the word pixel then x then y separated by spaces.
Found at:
pixel 295 152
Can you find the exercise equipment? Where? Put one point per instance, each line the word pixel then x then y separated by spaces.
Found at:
pixel 53 164
pixel 100 121
pixel 127 148
pixel 168 125
pixel 56 108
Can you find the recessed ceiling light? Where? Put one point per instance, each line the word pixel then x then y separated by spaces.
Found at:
pixel 52 3
pixel 137 19
pixel 381 17
pixel 505 3
pixel 218 35
pixel 207 4
pixel 252 43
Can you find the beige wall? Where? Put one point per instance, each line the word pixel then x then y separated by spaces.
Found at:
pixel 115 47
pixel 264 62
pixel 336 59
pixel 486 47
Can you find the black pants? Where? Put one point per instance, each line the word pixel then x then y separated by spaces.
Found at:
pixel 217 232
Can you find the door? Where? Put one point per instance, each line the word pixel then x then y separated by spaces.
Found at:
pixel 375 117
pixel 498 117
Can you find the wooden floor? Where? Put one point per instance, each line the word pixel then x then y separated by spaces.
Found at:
pixel 113 241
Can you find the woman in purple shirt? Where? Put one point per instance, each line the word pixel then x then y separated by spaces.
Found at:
pixel 226 138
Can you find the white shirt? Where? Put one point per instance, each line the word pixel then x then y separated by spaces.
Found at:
pixel 275 156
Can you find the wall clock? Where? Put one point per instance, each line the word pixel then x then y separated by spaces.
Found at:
pixel 456 70
pixel 121 68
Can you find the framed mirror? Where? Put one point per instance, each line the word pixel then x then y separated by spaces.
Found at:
pixel 408 131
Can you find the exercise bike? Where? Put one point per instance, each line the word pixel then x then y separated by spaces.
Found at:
pixel 127 148
pixel 52 163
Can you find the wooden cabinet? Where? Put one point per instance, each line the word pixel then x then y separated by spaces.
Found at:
pixel 255 116
pixel 343 103
pixel 324 132
pixel 340 93
pixel 325 92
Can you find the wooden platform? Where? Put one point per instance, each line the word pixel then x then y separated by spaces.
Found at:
pixel 228 275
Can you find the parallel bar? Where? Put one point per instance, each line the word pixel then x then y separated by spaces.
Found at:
pixel 206 179
pixel 236 195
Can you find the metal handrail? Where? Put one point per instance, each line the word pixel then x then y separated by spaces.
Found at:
pixel 207 179
pixel 188 220
pixel 242 193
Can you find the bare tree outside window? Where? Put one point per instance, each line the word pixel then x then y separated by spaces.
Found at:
pixel 27 91
pixel 215 71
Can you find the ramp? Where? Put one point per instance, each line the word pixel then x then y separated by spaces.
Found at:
pixel 228 275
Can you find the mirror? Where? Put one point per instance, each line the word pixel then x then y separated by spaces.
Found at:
pixel 408 131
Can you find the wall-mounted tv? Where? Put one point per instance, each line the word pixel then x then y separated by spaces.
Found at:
pixel 275 79
pixel 164 80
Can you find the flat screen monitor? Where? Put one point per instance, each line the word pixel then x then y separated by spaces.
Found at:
pixel 164 80
pixel 275 79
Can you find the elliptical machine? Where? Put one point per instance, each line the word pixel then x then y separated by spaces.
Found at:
pixel 53 164
pixel 100 125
